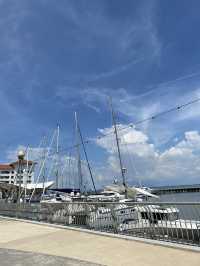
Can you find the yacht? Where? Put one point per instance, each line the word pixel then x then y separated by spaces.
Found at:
pixel 56 198
pixel 106 196
pixel 144 220
pixel 129 217
pixel 163 221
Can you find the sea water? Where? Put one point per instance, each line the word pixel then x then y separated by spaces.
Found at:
pixel 181 197
pixel 191 212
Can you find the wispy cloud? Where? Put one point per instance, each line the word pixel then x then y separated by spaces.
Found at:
pixel 138 107
pixel 126 43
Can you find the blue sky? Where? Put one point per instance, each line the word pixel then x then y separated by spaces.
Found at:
pixel 57 57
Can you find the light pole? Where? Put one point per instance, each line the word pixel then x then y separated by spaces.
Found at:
pixel 20 156
pixel 124 170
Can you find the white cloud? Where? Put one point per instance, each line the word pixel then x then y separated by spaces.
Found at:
pixel 179 163
pixel 136 108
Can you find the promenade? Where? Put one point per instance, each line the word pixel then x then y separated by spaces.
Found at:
pixel 27 244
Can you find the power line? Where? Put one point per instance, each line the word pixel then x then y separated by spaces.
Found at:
pixel 131 125
pixel 152 117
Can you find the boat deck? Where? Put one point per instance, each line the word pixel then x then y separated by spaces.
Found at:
pixel 22 243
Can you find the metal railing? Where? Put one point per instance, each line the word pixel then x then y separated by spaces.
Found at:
pixel 174 222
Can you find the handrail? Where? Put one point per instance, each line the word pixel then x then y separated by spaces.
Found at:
pixel 167 221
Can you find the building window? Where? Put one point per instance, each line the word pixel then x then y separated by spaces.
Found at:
pixel 5 172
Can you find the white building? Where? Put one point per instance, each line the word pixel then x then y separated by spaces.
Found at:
pixel 10 174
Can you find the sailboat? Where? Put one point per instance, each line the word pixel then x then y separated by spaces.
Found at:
pixel 131 192
pixel 141 218
pixel 122 212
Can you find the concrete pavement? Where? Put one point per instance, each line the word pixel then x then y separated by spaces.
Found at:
pixel 9 257
pixel 40 239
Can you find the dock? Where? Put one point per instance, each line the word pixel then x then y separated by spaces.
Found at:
pixel 25 243
pixel 176 189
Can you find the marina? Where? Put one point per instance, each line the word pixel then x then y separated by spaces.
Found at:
pixel 167 222
pixel 82 248
pixel 100 133
pixel 118 208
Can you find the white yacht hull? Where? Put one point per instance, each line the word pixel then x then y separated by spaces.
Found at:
pixel 178 229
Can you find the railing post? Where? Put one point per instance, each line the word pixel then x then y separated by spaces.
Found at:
pixel 87 213
pixel 17 210
pixel 157 220
pixel 114 218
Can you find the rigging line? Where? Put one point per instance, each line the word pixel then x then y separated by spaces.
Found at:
pixel 176 108
pixel 53 157
pixel 132 163
pixel 86 157
pixel 39 147
pixel 118 146
pixel 42 166
pixel 78 155
pixel 150 118
pixel 162 85
pixel 69 171
pixel 51 170
pixel 63 170
pixel 74 176
pixel 57 155
pixel 130 157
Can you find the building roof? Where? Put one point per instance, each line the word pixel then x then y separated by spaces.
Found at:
pixel 23 162
pixel 6 167
pixel 11 166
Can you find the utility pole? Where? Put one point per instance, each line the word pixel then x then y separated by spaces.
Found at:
pixel 80 176
pixel 118 147
pixel 19 174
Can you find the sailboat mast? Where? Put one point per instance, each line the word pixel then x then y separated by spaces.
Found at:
pixel 26 173
pixel 80 177
pixel 43 158
pixel 118 147
pixel 57 153
pixel 86 157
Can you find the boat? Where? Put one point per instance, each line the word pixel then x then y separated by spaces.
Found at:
pixel 163 221
pixel 104 217
pixel 125 214
pixel 106 196
pixel 148 220
pixel 56 198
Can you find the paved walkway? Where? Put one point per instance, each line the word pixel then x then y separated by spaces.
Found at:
pixel 77 247
pixel 9 257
